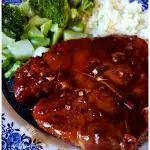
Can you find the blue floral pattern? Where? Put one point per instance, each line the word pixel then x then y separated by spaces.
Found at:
pixel 143 2
pixel 16 2
pixel 12 139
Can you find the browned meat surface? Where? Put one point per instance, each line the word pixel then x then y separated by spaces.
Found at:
pixel 82 121
pixel 97 91
pixel 32 79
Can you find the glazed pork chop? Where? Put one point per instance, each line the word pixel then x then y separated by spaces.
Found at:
pixel 95 91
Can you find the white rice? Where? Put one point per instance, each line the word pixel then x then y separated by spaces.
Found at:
pixel 117 17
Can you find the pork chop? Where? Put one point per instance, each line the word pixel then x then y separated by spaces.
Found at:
pixel 96 91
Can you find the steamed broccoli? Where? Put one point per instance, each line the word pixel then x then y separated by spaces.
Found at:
pixel 8 61
pixel 75 21
pixel 11 72
pixel 70 35
pixel 25 9
pixel 55 10
pixel 79 27
pixel 12 21
pixel 74 17
pixel 85 5
pixel 9 64
pixel 74 3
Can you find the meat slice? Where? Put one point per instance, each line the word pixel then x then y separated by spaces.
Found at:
pixel 57 61
pixel 96 91
pixel 33 79
pixel 84 81
pixel 118 59
pixel 141 86
pixel 103 99
pixel 120 74
pixel 77 119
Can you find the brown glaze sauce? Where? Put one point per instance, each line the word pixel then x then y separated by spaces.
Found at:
pixel 97 91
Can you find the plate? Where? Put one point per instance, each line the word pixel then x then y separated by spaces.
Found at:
pixel 18 133
pixel 19 130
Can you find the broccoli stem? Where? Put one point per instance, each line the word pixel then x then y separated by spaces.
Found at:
pixel 34 32
pixel 46 27
pixel 6 40
pixel 74 13
pixel 37 21
pixel 40 42
pixel 70 35
pixel 78 27
pixel 10 73
pixel 57 35
pixel 25 9
pixel 85 5
pixel 6 53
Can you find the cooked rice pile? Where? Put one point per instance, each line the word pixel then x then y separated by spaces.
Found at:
pixel 117 17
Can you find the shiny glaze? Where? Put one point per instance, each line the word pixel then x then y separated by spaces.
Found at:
pixel 31 80
pixel 97 91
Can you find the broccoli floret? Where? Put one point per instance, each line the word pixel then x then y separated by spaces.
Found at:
pixel 74 3
pixel 55 10
pixel 85 5
pixel 12 21
pixel 8 61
